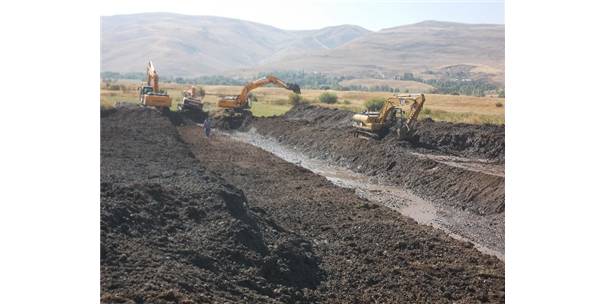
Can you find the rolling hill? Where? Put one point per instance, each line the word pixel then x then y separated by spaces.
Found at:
pixel 183 45
pixel 189 46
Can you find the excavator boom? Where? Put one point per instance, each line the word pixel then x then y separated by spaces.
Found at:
pixel 150 95
pixel 240 101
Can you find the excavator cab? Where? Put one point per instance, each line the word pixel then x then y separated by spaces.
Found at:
pixel 146 90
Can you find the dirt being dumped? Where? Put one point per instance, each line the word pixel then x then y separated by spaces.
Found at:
pixel 232 223
pixel 436 168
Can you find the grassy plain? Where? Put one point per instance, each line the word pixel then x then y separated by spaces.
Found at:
pixel 274 101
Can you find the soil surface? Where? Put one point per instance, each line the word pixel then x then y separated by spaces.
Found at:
pixel 485 231
pixel 233 223
pixel 458 165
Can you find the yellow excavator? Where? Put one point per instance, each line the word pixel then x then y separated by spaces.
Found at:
pixel 239 105
pixel 150 94
pixel 192 100
pixel 398 114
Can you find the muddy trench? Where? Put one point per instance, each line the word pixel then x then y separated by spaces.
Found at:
pixel 185 219
pixel 483 231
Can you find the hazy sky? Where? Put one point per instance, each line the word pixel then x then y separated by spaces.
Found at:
pixel 301 14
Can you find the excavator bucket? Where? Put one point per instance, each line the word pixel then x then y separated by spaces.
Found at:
pixel 294 87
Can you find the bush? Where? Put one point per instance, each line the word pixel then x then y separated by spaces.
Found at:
pixel 347 102
pixel 374 104
pixel 294 98
pixel 499 104
pixel 329 98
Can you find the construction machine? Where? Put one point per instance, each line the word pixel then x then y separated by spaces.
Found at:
pixel 150 94
pixel 239 105
pixel 398 114
pixel 192 100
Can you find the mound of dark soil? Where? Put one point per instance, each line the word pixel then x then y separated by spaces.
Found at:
pixel 327 134
pixel 172 231
pixel 243 226
pixel 481 141
pixel 484 141
pixel 369 253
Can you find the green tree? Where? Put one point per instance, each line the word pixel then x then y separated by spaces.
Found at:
pixel 374 104
pixel 329 98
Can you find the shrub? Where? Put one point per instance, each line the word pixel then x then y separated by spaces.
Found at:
pixel 329 98
pixel 374 104
pixel 294 98
pixel 347 102
pixel 499 104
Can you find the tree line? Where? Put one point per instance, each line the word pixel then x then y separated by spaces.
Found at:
pixel 316 80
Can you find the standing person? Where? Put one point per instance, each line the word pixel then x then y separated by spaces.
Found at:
pixel 206 127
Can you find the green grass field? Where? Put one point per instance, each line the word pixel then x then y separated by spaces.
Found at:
pixel 274 101
pixel 261 109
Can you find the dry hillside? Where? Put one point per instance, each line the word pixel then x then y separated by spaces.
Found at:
pixel 190 46
pixel 437 47
pixel 182 45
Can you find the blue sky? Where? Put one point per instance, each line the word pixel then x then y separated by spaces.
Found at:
pixel 299 14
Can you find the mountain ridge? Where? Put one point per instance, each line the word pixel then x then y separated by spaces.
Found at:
pixel 189 46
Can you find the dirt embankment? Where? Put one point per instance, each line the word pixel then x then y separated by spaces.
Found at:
pixel 172 231
pixel 244 226
pixel 369 253
pixel 467 140
pixel 327 134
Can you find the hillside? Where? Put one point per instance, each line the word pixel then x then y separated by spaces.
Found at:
pixel 190 46
pixel 183 45
pixel 429 49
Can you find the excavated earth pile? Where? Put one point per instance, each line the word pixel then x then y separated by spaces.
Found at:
pixel 174 232
pixel 368 253
pixel 437 167
pixel 244 226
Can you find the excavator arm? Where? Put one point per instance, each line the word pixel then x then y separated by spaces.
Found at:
pixel 150 95
pixel 152 77
pixel 411 104
pixel 399 112
pixel 241 100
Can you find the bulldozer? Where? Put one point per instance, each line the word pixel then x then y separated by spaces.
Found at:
pixel 150 94
pixel 398 114
pixel 239 105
